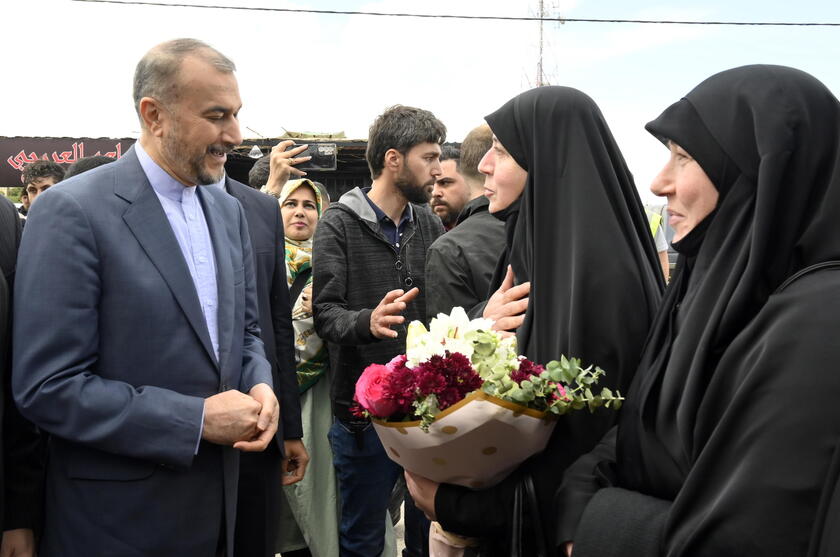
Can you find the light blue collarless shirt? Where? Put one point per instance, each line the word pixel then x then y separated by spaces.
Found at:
pixel 182 206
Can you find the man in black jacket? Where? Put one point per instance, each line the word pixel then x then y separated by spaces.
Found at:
pixel 460 264
pixel 368 266
pixel 284 461
pixel 21 455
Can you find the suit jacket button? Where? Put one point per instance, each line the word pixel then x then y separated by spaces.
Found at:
pixel 224 388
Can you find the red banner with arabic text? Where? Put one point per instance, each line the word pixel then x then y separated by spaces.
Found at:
pixel 17 152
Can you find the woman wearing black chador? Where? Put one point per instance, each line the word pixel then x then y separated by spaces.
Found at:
pixel 577 232
pixel 728 443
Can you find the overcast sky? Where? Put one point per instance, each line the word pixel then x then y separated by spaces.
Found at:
pixel 69 65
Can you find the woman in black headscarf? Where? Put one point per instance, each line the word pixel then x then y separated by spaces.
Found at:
pixel 579 235
pixel 732 424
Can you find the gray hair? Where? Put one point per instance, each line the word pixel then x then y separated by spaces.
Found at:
pixel 156 72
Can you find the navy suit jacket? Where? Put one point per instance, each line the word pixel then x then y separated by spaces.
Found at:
pixel 113 358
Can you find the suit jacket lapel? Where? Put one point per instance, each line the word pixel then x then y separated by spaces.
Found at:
pixel 147 221
pixel 224 270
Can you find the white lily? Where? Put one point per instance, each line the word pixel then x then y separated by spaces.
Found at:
pixel 453 333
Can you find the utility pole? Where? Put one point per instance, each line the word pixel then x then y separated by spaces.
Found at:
pixel 540 74
pixel 540 79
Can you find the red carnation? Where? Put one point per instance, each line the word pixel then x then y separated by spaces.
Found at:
pixel 401 388
pixel 459 378
pixel 450 378
pixel 527 369
pixel 431 376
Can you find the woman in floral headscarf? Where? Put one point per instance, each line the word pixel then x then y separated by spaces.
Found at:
pixel 301 206
pixel 312 503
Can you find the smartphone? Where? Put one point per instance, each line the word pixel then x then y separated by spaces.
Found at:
pixel 324 156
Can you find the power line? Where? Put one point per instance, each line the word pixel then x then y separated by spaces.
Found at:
pixel 473 17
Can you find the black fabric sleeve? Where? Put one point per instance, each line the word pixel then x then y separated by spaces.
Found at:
pixel 825 536
pixel 22 481
pixel 581 481
pixel 477 310
pixel 479 514
pixel 284 339
pixel 23 463
pixel 22 451
pixel 333 321
pixel 448 280
pixel 621 523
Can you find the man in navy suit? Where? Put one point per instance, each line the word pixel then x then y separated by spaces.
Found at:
pixel 137 341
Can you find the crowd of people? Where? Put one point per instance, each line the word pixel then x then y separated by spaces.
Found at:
pixel 180 350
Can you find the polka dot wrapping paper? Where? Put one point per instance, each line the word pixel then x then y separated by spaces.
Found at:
pixel 475 443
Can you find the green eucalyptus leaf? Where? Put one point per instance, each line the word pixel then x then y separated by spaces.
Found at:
pixel 521 396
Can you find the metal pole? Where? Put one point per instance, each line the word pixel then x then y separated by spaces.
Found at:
pixel 540 60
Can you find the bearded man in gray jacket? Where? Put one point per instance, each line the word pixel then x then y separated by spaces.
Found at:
pixel 368 266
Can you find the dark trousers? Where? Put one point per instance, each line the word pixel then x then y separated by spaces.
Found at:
pixel 366 477
pixel 258 503
pixel 414 521
pixel 416 530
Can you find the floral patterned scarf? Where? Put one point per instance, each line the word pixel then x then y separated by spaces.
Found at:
pixel 310 350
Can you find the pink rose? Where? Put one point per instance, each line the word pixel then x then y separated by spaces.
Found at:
pixel 397 363
pixel 370 391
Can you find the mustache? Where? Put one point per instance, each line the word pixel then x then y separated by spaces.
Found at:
pixel 439 202
pixel 221 148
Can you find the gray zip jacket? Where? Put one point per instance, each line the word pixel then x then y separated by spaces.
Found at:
pixel 353 267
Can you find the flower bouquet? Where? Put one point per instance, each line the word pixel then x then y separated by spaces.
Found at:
pixel 461 407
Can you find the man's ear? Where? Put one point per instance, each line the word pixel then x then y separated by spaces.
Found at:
pixel 393 160
pixel 153 115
